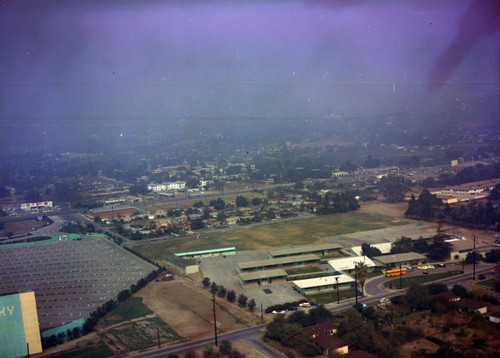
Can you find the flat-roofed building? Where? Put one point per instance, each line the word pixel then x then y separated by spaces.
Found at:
pixel 327 283
pixel 347 264
pixel 404 259
pixel 259 278
pixel 184 266
pixel 291 261
pixel 460 248
pixel 111 211
pixel 315 249
pixel 207 253
pixel 384 248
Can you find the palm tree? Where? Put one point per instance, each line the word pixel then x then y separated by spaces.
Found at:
pixel 362 270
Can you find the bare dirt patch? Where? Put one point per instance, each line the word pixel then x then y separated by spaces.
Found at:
pixel 187 308
pixel 394 210
pixel 21 227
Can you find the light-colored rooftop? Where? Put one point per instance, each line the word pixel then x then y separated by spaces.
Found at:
pixel 277 261
pixel 322 281
pixel 261 275
pixel 394 258
pixel 348 263
pixel 384 248
pixel 208 251
pixel 297 250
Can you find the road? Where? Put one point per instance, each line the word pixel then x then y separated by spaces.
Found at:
pixel 374 293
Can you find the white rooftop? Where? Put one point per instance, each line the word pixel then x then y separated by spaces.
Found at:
pixel 322 281
pixel 348 263
pixel 384 248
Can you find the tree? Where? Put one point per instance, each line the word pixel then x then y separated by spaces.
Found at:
pixel 208 352
pixel 192 183
pixel 436 288
pixel 214 288
pixel 492 256
pixel 256 201
pixel 421 246
pixel 439 249
pixel 460 291
pixel 32 195
pixel 218 204
pixel 393 188
pixel 362 271
pixel 222 291
pixel 206 282
pixel 469 259
pixel 231 296
pixel 370 251
pixel 478 292
pixel 418 297
pixel 402 245
pixel 242 300
pixel 251 305
pixel 241 201
pixel 225 347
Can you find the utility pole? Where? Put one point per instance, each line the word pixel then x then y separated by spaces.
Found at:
pixel 215 321
pixel 400 277
pixel 356 283
pixel 474 258
pixel 338 297
pixel 261 314
pixel 158 335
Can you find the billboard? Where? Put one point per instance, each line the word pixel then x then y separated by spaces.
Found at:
pixel 40 204
pixel 19 329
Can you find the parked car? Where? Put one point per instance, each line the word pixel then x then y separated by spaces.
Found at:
pixel 292 308
pixel 314 304
pixel 305 304
pixel 278 312
pixel 425 272
pixel 440 265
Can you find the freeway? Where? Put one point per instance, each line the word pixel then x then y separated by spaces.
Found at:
pixel 374 291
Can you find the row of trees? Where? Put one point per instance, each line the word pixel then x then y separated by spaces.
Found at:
pixel 229 295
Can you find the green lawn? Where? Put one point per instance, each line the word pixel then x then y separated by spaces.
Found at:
pixel 92 350
pixel 489 282
pixel 296 232
pixel 143 333
pixel 127 310
pixel 418 280
pixel 331 296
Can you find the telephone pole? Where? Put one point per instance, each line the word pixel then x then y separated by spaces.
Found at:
pixel 356 282
pixel 215 320
pixel 474 258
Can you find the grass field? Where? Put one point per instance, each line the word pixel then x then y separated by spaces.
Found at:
pixel 143 333
pixel 93 349
pixel 331 296
pixel 418 280
pixel 127 310
pixel 295 232
pixel 488 283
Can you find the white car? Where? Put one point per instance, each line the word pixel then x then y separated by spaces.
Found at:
pixel 278 312
pixel 305 304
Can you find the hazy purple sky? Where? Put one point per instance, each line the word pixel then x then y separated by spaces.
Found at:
pixel 153 59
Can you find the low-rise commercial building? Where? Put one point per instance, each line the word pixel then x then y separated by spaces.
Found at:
pixel 321 284
pixel 207 253
pixel 347 264
pixel 259 278
pixel 292 261
pixel 404 259
pixel 184 266
pixel 315 249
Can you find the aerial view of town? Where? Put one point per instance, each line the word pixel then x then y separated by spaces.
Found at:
pixel 250 179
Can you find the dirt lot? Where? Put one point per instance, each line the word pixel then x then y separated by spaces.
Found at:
pixel 21 227
pixel 187 308
pixel 395 210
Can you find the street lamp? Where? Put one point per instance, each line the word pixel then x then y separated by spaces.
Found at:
pixel 356 282
pixel 338 298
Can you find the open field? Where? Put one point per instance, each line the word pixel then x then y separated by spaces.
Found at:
pixel 93 349
pixel 21 227
pixel 187 308
pixel 418 280
pixel 295 232
pixel 143 333
pixel 127 310
pixel 331 296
